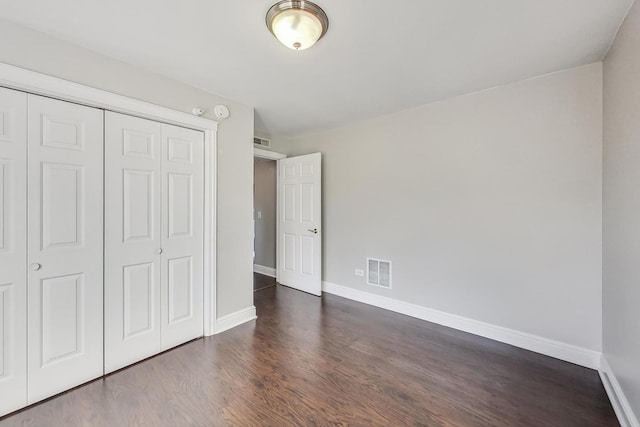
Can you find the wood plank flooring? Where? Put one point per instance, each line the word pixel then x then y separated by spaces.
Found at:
pixel 310 361
pixel 260 282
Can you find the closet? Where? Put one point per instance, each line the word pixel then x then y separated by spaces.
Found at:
pixel 101 243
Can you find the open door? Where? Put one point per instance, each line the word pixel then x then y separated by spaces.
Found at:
pixel 299 220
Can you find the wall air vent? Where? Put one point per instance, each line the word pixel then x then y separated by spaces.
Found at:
pixel 261 142
pixel 379 273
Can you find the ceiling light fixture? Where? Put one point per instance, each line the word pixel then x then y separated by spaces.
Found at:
pixel 298 24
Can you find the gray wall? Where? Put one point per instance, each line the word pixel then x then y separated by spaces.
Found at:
pixel 621 266
pixel 264 201
pixel 488 205
pixel 35 51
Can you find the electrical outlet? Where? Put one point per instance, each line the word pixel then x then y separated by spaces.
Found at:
pixel 259 214
pixel 359 273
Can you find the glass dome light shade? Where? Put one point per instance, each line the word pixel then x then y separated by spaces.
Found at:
pixel 297 24
pixel 296 29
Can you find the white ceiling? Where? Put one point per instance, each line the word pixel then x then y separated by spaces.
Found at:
pixel 378 56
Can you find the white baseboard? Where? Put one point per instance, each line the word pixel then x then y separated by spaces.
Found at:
pixel 267 271
pixel 234 319
pixel 619 401
pixel 559 350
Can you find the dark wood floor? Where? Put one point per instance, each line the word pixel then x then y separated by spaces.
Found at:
pixel 260 282
pixel 328 361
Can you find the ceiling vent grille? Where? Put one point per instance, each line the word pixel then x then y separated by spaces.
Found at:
pixel 261 142
pixel 379 273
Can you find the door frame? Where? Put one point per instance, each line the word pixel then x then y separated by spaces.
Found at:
pixel 261 153
pixel 266 154
pixel 21 79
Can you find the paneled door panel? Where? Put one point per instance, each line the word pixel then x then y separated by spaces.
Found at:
pixel 62 317
pixel 65 246
pixel 182 235
pixel 299 220
pixel 138 204
pixel 13 250
pixel 62 204
pixel 133 243
pixel 138 299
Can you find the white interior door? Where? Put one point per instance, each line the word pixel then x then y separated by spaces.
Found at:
pixel 132 239
pixel 182 235
pixel 65 246
pixel 299 221
pixel 13 250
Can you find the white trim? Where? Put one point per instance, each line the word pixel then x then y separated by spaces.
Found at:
pixel 278 257
pixel 267 154
pixel 42 84
pixel 267 271
pixel 235 319
pixel 210 231
pixel 619 401
pixel 559 350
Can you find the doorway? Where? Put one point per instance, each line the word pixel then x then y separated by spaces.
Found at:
pixel 298 219
pixel 265 169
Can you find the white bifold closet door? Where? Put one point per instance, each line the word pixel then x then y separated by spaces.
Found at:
pixel 51 293
pixel 13 250
pixel 181 278
pixel 65 246
pixel 153 238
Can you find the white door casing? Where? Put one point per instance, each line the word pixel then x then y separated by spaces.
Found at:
pixel 182 235
pixel 132 239
pixel 13 250
pixel 65 246
pixel 299 223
